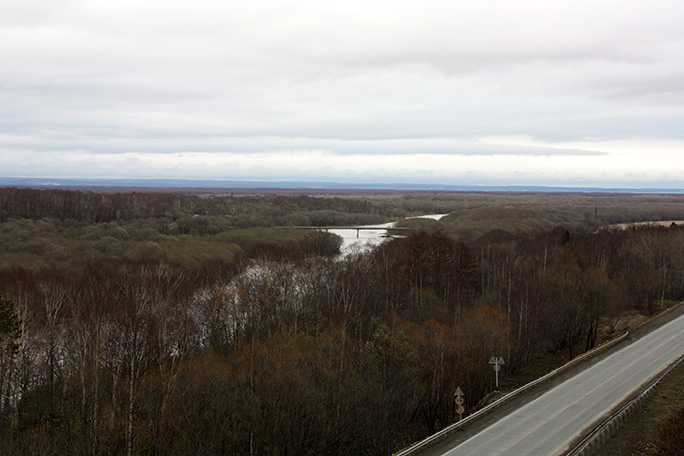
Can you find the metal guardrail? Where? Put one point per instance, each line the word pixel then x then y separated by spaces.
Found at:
pixel 605 428
pixel 447 431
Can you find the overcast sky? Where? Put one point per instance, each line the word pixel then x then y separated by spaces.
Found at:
pixel 581 92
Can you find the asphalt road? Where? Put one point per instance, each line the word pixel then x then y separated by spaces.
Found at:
pixel 548 424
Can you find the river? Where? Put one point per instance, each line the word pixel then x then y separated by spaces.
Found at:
pixel 369 237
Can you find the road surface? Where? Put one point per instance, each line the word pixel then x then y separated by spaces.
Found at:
pixel 548 424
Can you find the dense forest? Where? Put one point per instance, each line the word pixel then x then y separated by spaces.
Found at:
pixel 165 323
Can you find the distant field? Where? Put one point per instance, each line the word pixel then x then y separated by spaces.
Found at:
pixel 625 226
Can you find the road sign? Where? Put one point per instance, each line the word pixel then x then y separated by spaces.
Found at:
pixel 497 362
pixel 459 402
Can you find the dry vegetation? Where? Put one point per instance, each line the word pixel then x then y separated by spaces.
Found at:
pixel 164 323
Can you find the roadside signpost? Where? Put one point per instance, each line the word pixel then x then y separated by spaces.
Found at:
pixel 497 362
pixel 459 403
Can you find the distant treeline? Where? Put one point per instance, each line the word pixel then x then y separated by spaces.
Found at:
pixel 471 214
pixel 265 210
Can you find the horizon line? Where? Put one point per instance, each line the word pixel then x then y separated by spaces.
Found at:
pixel 228 184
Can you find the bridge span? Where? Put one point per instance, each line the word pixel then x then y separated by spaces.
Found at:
pixel 354 227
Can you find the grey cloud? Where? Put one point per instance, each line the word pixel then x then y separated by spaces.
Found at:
pixel 385 78
pixel 102 143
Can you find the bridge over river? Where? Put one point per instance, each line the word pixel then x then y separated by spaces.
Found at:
pixel 366 235
pixel 385 227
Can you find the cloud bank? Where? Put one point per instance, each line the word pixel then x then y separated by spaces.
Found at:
pixel 490 92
